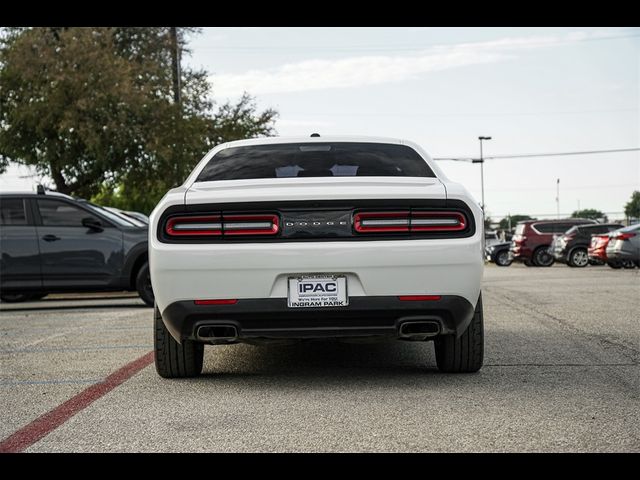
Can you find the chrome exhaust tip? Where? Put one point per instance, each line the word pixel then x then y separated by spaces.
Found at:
pixel 217 333
pixel 419 330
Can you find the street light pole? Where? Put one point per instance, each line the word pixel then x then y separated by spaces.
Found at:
pixel 481 162
pixel 558 198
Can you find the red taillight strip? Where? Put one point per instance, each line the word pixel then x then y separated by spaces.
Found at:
pixel 222 301
pixel 365 222
pixel 202 225
pixel 419 298
pixel 218 225
pixel 250 224
pixel 415 221
pixel 437 221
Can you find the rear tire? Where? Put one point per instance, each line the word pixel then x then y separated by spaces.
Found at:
pixel 172 359
pixel 143 285
pixel 21 297
pixel 464 354
pixel 542 258
pixel 615 265
pixel 578 258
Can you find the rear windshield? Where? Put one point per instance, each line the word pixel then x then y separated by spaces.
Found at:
pixel 315 160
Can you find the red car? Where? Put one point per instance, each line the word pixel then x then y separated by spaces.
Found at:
pixel 597 253
pixel 532 238
pixel 597 250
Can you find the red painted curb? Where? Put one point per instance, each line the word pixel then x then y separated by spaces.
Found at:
pixel 45 424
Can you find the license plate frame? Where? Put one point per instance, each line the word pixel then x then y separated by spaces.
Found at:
pixel 310 295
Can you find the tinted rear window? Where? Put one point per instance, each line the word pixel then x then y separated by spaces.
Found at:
pixel 590 229
pixel 315 160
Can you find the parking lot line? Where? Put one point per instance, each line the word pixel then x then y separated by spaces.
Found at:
pixel 45 424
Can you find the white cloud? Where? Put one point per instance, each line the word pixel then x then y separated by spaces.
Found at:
pixel 357 71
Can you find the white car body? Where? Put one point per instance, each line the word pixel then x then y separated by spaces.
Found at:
pixel 182 273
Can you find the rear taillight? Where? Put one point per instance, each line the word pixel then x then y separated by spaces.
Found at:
pixel 222 225
pixel 437 221
pixel 371 222
pixel 188 226
pixel 623 236
pixel 250 224
pixel 408 221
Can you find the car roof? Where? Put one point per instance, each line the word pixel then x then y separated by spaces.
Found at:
pixel 630 228
pixel 592 225
pixel 28 193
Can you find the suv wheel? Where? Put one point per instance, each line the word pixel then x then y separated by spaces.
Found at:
pixel 143 285
pixel 502 259
pixel 579 258
pixel 464 354
pixel 542 258
pixel 628 264
pixel 172 359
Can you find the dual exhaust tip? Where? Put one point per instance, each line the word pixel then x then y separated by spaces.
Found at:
pixel 413 330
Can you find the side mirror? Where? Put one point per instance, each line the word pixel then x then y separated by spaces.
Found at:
pixel 92 223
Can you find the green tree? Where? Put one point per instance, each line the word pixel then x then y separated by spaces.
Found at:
pixel 590 213
pixel 95 110
pixel 632 208
pixel 504 223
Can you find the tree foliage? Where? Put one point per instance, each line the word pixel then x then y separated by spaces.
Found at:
pixel 504 223
pixel 632 208
pixel 94 109
pixel 590 213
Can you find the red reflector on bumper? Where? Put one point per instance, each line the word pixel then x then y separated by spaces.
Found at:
pixel 419 298
pixel 224 301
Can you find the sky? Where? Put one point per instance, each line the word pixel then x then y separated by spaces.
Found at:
pixel 533 90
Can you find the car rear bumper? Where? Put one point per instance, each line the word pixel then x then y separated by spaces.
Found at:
pixel 261 271
pixel 271 318
pixel 619 254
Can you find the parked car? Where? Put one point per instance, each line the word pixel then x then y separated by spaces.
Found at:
pixel 297 238
pixel 498 253
pixel 571 247
pixel 597 252
pixel 624 246
pixel 532 239
pixel 50 242
pixel 491 238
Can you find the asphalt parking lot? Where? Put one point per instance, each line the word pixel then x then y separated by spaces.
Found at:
pixel 561 374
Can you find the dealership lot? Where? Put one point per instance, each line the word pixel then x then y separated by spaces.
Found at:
pixel 561 374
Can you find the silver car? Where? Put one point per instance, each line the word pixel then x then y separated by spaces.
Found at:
pixel 624 245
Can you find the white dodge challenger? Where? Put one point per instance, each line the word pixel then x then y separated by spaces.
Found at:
pixel 320 237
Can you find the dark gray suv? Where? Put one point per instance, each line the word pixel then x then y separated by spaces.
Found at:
pixel 55 243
